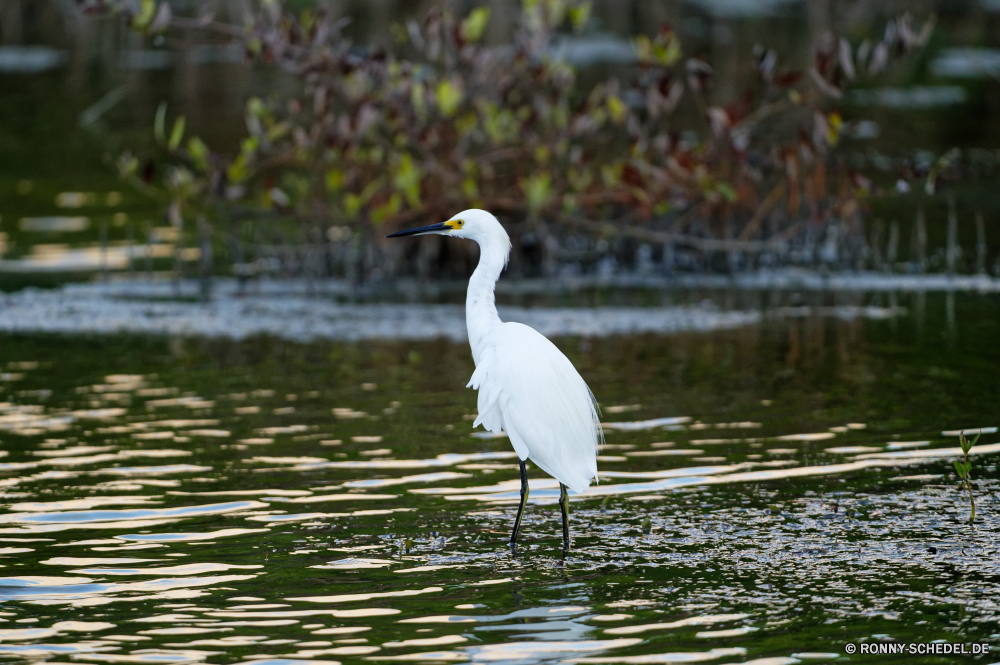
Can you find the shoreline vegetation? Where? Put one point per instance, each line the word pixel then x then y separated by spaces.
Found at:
pixel 364 139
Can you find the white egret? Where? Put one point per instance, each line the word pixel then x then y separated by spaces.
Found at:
pixel 527 387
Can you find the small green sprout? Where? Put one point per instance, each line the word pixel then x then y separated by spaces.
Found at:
pixel 647 525
pixel 964 467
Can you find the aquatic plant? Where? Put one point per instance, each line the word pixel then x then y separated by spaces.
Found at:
pixel 443 122
pixel 963 468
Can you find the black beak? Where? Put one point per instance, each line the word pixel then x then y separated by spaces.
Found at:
pixel 422 230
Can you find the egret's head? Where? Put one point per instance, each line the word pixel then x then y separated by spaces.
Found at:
pixel 473 224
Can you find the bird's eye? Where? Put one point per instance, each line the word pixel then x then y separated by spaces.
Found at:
pixel 460 222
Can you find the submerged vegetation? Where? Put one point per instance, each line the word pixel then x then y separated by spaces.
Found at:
pixel 375 137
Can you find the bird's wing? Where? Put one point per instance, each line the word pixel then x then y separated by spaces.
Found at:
pixel 486 379
pixel 529 389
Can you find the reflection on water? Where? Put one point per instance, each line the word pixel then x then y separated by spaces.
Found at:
pixel 766 494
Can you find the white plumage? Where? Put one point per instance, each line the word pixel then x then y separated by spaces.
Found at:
pixel 530 390
pixel 527 387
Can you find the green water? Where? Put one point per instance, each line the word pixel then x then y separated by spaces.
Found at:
pixel 212 501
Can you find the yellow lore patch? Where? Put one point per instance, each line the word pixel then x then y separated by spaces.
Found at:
pixel 455 223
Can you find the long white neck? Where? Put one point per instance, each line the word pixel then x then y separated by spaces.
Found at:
pixel 480 303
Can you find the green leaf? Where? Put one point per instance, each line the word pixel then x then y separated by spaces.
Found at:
pixel 500 124
pixel 669 52
pixel 611 174
pixel 643 46
pixel 449 97
pixel 616 108
pixel 177 133
pixel 370 190
pixel 537 191
pixel 555 12
pixel 278 131
pixel 726 190
pixel 387 209
pixel 407 179
pixel 469 188
pixel 334 180
pixel 664 49
pixel 249 146
pixel 975 439
pixel 142 18
pixel 474 26
pixel 159 124
pixel 198 152
pixel 960 469
pixel 239 170
pixel 352 205
pixel 307 19
pixel 579 15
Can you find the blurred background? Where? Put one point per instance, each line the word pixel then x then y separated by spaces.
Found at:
pixel 78 86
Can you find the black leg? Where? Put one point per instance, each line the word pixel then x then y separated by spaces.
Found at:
pixel 564 506
pixel 520 508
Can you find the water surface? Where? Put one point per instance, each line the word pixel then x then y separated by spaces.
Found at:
pixel 773 491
